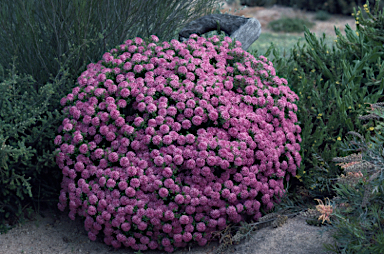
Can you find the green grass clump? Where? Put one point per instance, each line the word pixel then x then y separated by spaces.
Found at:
pixel 290 25
pixel 282 42
pixel 322 15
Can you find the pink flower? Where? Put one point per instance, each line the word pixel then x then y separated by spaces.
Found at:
pixel 124 162
pixel 167 140
pixel 164 129
pixel 156 140
pixel 158 160
pixel 135 183
pixel 141 106
pixel 186 124
pixel 163 192
pixel 167 172
pixel 138 121
pixel 168 215
pixel 123 185
pixel 79 166
pixel 68 127
pixel 184 219
pixel 113 157
pixel 178 238
pixel 165 242
pixel 197 120
pixel 167 228
pixel 232 198
pixel 111 183
pixel 58 140
pixel 130 192
pixel 154 38
pixel 200 226
pixel 213 116
pixel 265 198
pixel 151 108
pixel 187 236
pixel 172 111
pixel 92 236
pixel 178 159
pixel 203 146
pixel 91 210
pixel 190 138
pixel 179 199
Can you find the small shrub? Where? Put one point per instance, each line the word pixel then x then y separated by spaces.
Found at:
pixel 359 217
pixel 21 165
pixel 322 15
pixel 160 149
pixel 290 25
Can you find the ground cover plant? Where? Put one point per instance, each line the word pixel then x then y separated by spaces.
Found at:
pixel 322 15
pixel 156 160
pixel 289 25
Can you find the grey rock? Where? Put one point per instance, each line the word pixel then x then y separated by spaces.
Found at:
pixel 245 30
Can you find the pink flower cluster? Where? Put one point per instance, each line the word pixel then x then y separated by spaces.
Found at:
pixel 165 144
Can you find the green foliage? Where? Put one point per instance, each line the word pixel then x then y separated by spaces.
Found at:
pixel 344 7
pixel 258 2
pixel 322 15
pixel 359 227
pixel 289 25
pixel 53 42
pixel 23 154
pixel 333 84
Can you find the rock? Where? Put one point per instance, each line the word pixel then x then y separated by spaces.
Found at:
pixel 245 30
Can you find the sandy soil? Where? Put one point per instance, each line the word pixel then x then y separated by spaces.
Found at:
pixel 52 232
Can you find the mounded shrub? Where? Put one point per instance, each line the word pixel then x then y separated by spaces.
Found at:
pixel 165 144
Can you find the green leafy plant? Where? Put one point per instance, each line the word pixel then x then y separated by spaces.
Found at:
pixel 322 15
pixel 20 108
pixel 290 25
pixel 359 219
pixel 332 6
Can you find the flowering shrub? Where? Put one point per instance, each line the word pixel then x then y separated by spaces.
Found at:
pixel 164 145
